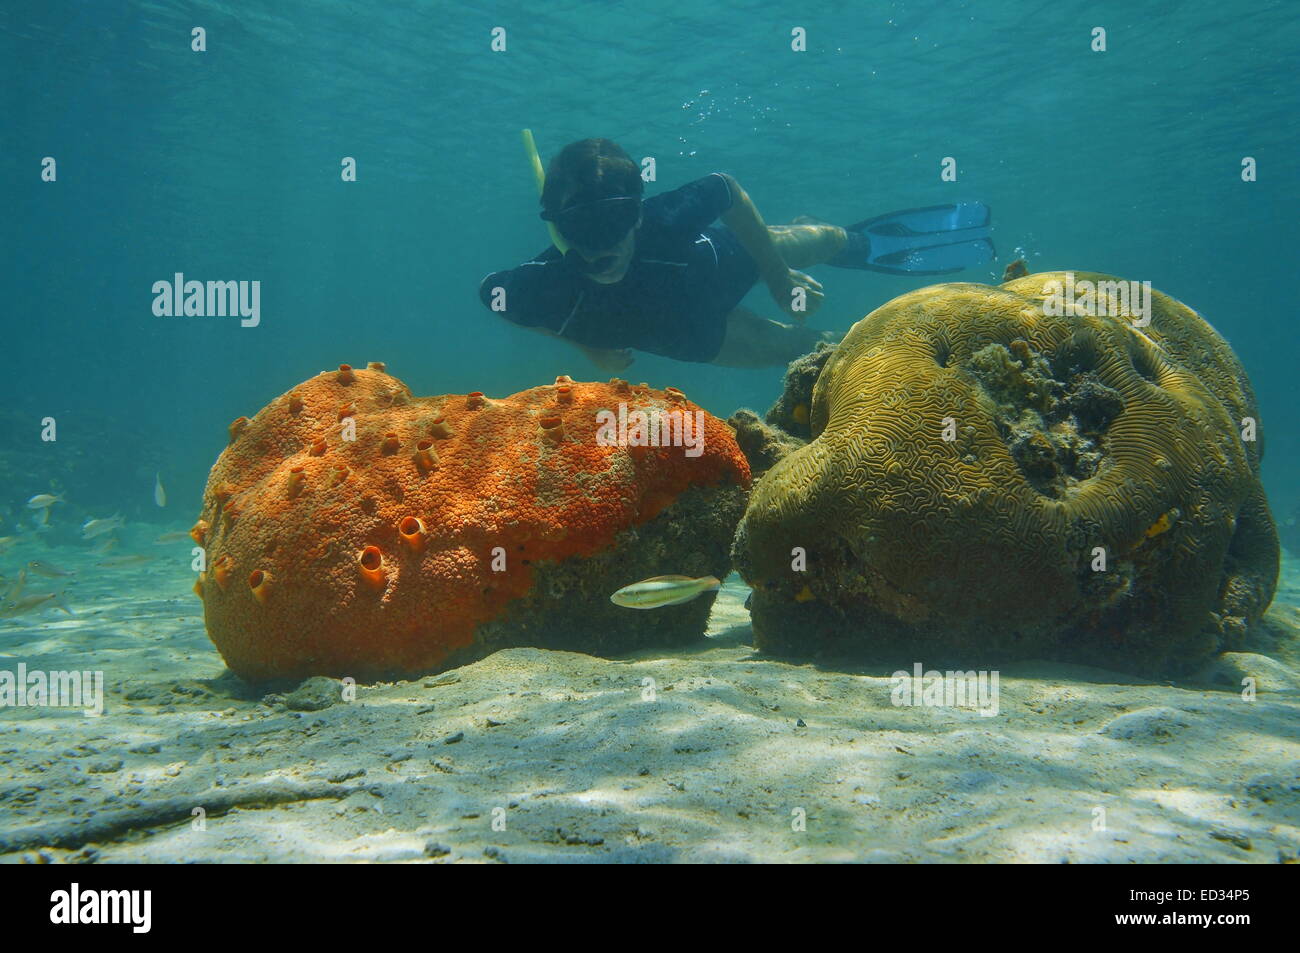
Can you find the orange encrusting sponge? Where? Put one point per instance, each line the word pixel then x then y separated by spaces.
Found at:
pixel 365 561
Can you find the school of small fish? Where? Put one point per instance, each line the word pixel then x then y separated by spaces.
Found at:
pixel 15 601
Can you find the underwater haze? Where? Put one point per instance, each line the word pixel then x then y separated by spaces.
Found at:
pixel 1168 157
pixel 225 165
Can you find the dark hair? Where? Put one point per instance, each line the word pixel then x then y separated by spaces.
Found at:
pixel 589 170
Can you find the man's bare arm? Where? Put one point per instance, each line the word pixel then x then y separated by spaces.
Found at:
pixel 744 219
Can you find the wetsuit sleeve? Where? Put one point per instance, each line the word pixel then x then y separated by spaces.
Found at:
pixel 537 294
pixel 695 206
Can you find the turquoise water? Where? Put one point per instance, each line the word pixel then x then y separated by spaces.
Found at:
pixel 225 165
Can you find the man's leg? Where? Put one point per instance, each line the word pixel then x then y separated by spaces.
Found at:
pixel 755 341
pixel 807 244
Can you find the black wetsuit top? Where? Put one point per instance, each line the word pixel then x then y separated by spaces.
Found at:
pixel 684 278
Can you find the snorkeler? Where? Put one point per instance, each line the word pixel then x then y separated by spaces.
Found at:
pixel 658 275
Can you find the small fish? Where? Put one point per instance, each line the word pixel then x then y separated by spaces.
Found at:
pixel 25 604
pixel 104 546
pixel 7 543
pixel 1017 269
pixel 134 560
pixel 92 528
pixel 41 500
pixel 49 570
pixel 17 587
pixel 1163 524
pixel 159 494
pixel 663 591
pixel 175 537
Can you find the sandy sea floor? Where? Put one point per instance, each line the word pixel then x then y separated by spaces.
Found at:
pixel 708 754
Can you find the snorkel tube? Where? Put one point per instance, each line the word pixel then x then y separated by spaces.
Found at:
pixel 539 175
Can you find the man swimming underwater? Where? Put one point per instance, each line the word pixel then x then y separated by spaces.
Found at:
pixel 658 275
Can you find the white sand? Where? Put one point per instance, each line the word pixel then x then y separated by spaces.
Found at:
pixel 543 756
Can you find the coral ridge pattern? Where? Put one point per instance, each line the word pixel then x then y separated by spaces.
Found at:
pixel 985 479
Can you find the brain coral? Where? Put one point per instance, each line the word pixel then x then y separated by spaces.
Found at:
pixel 987 480
pixel 451 526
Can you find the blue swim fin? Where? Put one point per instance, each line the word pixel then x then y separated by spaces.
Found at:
pixel 937 240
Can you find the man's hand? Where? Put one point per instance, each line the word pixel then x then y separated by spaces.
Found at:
pixel 609 360
pixel 783 287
